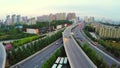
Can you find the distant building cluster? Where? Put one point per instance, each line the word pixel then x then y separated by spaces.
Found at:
pixel 57 16
pixel 44 29
pixel 18 19
pixel 108 31
pixel 88 20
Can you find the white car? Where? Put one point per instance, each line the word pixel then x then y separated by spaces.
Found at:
pixel 56 43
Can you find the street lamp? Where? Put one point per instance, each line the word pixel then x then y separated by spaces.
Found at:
pixel 49 26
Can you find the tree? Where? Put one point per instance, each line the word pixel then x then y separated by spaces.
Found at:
pixel 113 66
pixel 19 54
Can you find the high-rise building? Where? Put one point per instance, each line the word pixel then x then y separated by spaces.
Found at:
pixel 51 17
pixel 38 18
pixel 18 18
pixel 31 21
pixel 8 21
pixel 86 19
pixel 71 16
pixel 0 22
pixel 43 18
pixel 91 19
pixel 14 19
pixel 60 16
pixel 25 19
pixel 46 17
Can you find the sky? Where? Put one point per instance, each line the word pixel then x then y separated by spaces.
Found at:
pixel 109 9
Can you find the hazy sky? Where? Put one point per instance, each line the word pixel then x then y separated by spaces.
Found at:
pixel 97 8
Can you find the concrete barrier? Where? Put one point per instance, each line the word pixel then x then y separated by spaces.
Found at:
pixel 2 56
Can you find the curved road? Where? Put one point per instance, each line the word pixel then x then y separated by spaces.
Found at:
pixel 2 56
pixel 77 58
pixel 81 36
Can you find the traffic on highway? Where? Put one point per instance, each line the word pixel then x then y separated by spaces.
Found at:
pixel 79 34
pixel 77 58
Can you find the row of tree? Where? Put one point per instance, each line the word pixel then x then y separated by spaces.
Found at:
pixel 11 32
pixel 95 57
pixel 106 23
pixel 53 23
pixel 112 39
pixel 110 48
pixel 89 28
pixel 89 35
pixel 25 40
pixel 23 52
pixel 59 53
pixel 115 51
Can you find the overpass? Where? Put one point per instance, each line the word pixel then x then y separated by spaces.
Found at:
pixel 77 58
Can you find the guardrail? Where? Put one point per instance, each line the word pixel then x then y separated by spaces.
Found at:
pixel 2 56
pixel 91 63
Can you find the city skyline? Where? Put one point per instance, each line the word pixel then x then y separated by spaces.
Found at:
pixel 103 9
pixel 15 19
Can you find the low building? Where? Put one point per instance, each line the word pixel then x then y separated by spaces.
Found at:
pixel 108 31
pixel 59 27
pixel 32 31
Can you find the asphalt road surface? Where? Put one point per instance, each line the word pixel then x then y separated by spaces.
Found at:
pixel 81 36
pixel 75 54
pixel 41 57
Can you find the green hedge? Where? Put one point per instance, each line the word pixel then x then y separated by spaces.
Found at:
pixel 52 59
pixel 95 57
pixel 25 40
pixel 115 51
pixel 7 36
pixel 15 56
pixel 89 35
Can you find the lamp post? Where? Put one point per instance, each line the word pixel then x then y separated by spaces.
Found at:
pixel 49 26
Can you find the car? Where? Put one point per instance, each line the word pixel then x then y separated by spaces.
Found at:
pixel 69 36
pixel 56 43
pixel 81 40
pixel 93 43
pixel 18 66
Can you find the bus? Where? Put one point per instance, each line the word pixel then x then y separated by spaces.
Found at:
pixel 62 60
pixel 54 66
pixel 58 60
pixel 59 66
pixel 65 60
